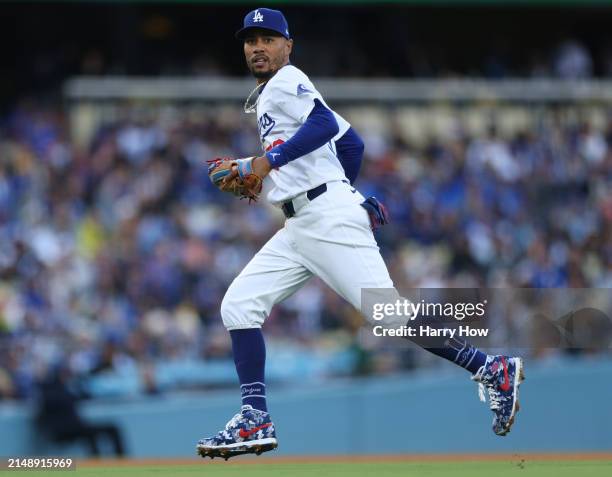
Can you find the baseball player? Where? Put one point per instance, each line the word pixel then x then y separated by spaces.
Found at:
pixel 312 156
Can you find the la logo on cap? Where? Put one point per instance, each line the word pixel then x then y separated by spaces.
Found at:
pixel 258 17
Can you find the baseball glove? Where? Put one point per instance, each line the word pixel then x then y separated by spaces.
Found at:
pixel 241 182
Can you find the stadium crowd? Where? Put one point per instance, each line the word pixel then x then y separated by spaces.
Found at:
pixel 115 256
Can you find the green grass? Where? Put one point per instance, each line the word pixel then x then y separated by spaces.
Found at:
pixel 509 468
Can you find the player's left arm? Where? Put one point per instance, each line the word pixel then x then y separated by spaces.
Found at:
pixel 319 128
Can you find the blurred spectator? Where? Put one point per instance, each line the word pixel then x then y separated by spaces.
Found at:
pixel 59 419
pixel 573 61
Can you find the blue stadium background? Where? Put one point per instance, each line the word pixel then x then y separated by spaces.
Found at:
pixel 116 250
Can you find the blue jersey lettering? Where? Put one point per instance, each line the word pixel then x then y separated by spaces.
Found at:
pixel 265 124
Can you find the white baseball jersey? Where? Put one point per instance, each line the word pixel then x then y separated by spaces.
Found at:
pixel 283 106
pixel 328 237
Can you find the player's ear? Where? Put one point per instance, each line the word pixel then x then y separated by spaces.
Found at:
pixel 289 46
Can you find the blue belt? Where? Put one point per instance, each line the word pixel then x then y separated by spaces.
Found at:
pixel 312 194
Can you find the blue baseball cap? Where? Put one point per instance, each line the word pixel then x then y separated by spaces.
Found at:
pixel 264 18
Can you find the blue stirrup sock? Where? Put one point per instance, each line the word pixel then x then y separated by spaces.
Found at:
pixel 250 358
pixel 461 353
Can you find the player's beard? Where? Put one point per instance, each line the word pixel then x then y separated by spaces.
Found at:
pixel 262 75
pixel 273 67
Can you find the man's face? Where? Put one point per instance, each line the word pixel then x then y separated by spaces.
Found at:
pixel 266 52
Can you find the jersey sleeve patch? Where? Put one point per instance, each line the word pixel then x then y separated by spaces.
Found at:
pixel 293 94
pixel 301 89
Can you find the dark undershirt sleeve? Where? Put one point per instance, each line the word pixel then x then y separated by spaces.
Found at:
pixel 350 149
pixel 320 127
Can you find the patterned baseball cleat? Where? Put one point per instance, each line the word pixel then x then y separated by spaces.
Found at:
pixel 501 376
pixel 249 432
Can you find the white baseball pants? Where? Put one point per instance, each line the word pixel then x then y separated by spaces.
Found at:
pixel 329 237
